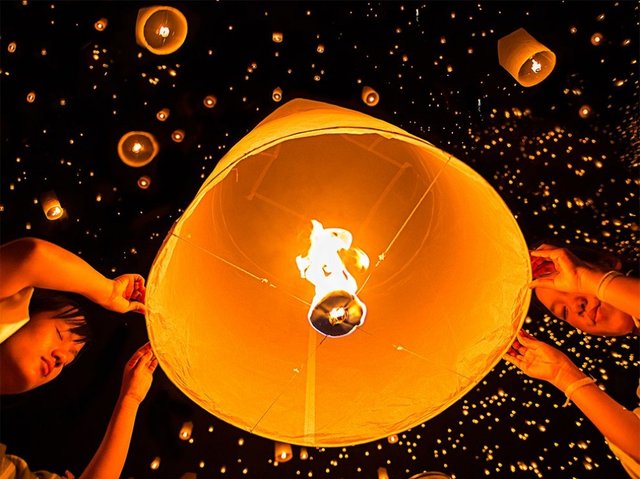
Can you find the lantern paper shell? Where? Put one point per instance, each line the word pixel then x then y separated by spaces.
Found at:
pixel 445 292
pixel 369 96
pixel 51 206
pixel 161 29
pixel 137 148
pixel 282 452
pixel 527 60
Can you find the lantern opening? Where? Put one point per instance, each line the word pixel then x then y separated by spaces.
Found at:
pixel 335 310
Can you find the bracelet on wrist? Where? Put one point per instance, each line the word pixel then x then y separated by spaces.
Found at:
pixel 604 282
pixel 574 386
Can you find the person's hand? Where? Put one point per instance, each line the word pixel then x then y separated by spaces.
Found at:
pixel 540 360
pixel 138 374
pixel 567 273
pixel 127 294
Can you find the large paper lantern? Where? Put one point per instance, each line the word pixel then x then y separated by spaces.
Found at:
pixel 238 324
pixel 137 148
pixel 527 60
pixel 161 29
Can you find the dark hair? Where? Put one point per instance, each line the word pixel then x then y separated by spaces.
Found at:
pixel 65 308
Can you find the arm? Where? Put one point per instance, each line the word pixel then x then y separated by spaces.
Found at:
pixel 576 276
pixel 108 461
pixel 542 361
pixel 37 263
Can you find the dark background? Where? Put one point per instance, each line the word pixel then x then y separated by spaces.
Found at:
pixel 564 177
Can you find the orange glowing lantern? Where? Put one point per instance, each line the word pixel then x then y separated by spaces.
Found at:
pixel 31 97
pixel 596 39
pixel 155 464
pixel 283 452
pixel 392 439
pixel 177 136
pixel 585 111
pixel 163 114
pixel 272 246
pixel 51 206
pixel 185 430
pixel 276 94
pixel 527 60
pixel 101 24
pixel 304 454
pixel 144 182
pixel 137 148
pixel 161 29
pixel 11 48
pixel 382 473
pixel 210 101
pixel 369 96
pixel 277 37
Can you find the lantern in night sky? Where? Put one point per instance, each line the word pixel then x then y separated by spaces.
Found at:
pixel 51 206
pixel 277 37
pixel 382 473
pixel 209 101
pixel 161 29
pixel 369 96
pixel 177 136
pixel 276 94
pixel 282 452
pixel 185 430
pixel 137 148
pixel 336 280
pixel 527 60
pixel 101 24
pixel 163 114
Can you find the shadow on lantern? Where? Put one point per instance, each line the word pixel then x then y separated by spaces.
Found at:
pixel 137 148
pixel 526 60
pixel 161 29
pixel 444 291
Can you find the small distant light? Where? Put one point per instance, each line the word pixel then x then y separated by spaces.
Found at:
pixel 596 39
pixel 276 95
pixel 101 24
pixel 31 97
pixel 177 136
pixel 209 101
pixel 320 48
pixel 12 47
pixel 573 30
pixel 369 96
pixel 392 439
pixel 585 111
pixel 277 37
pixel 163 114
pixel 144 182
pixel 155 464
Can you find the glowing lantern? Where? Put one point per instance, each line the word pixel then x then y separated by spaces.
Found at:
pixel 277 37
pixel 283 452
pixel 276 95
pixel 144 182
pixel 155 464
pixel 527 60
pixel 161 29
pixel 369 96
pixel 585 111
pixel 185 430
pixel 320 48
pixel 137 148
pixel 209 101
pixel 31 97
pixel 101 24
pixel 163 114
pixel 596 39
pixel 304 454
pixel 177 136
pixel 51 206
pixel 11 48
pixel 392 439
pixel 382 473
pixel 236 336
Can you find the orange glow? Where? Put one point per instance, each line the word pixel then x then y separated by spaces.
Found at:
pixel 304 454
pixel 320 48
pixel 276 95
pixel 101 24
pixel 596 39
pixel 186 430
pixel 11 47
pixel 283 452
pixel 31 97
pixel 392 439
pixel 585 111
pixel 137 148
pixel 144 182
pixel 51 206
pixel 277 37
pixel 163 114
pixel 209 101
pixel 177 136
pixel 526 60
pixel 369 96
pixel 161 29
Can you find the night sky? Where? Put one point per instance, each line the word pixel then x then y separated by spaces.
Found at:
pixel 69 91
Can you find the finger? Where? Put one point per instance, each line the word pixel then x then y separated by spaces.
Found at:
pixel 528 341
pixel 513 360
pixel 137 307
pixel 136 357
pixel 545 247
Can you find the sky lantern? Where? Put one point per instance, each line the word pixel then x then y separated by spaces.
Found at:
pixel 101 24
pixel 369 96
pixel 163 114
pixel 336 280
pixel 276 94
pixel 282 452
pixel 526 60
pixel 186 430
pixel 137 148
pixel 161 29
pixel 51 206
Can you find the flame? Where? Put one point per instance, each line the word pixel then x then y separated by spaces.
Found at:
pixel 335 287
pixel 535 66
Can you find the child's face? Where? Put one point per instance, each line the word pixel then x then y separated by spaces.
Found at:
pixel 37 353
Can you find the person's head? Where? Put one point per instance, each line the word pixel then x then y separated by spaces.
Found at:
pixel 586 312
pixel 52 338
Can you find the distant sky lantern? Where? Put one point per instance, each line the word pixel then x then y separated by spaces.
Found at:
pixel 382 473
pixel 155 464
pixel 144 182
pixel 320 48
pixel 51 206
pixel 585 111
pixel 163 114
pixel 304 454
pixel 283 452
pixel 11 48
pixel 209 101
pixel 177 136
pixel 137 148
pixel 101 24
pixel 527 60
pixel 277 37
pixel 596 39
pixel 392 439
pixel 185 430
pixel 276 94
pixel 283 227
pixel 161 29
pixel 31 97
pixel 369 96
